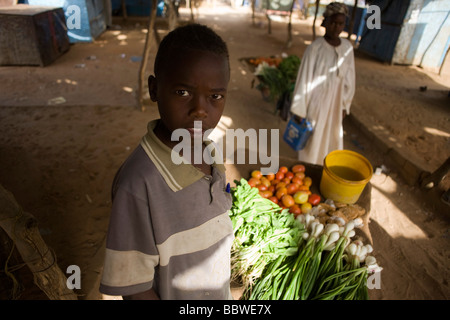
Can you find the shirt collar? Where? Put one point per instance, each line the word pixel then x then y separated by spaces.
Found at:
pixel 177 176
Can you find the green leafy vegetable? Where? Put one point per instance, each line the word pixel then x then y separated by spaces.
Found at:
pixel 263 232
pixel 279 79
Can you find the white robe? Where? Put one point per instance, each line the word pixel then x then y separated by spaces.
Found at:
pixel 324 88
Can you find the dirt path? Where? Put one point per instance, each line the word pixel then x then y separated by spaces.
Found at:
pixel 59 160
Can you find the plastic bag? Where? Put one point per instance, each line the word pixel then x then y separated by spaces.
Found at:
pixel 298 133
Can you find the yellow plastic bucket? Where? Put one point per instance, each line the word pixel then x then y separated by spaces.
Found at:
pixel 344 176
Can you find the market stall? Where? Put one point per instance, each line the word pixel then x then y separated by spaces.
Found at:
pixel 288 247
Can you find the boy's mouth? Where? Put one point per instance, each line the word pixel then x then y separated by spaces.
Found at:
pixel 195 131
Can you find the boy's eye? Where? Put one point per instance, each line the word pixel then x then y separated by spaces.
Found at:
pixel 183 93
pixel 217 96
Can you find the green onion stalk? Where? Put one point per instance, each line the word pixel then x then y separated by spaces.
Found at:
pixel 326 266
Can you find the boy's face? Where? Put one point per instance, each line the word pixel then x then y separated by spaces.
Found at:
pixel 192 87
pixel 335 25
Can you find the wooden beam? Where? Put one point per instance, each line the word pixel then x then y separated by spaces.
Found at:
pixel 22 228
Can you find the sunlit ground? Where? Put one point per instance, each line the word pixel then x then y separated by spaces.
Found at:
pixel 394 220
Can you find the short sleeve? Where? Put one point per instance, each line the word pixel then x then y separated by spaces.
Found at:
pixel 131 255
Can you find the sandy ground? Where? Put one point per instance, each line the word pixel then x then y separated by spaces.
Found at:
pixel 59 160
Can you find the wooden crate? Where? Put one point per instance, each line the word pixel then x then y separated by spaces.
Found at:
pixel 32 35
pixel 85 19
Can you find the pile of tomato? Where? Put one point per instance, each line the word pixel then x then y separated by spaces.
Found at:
pixel 271 61
pixel 288 188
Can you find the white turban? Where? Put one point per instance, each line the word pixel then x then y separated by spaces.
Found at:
pixel 335 8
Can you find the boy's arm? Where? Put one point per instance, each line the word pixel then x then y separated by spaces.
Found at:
pixel 146 295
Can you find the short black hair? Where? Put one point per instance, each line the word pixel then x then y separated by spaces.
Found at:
pixel 192 36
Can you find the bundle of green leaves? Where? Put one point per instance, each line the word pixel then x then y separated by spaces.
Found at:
pixel 279 79
pixel 263 232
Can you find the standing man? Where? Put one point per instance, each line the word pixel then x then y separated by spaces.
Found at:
pixel 325 86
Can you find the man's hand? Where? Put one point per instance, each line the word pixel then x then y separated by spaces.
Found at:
pixel 297 118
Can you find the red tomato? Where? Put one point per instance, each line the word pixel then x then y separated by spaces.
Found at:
pixel 304 188
pixel 287 200
pixel 292 188
pixel 266 193
pixel 281 192
pixel 279 175
pixel 289 175
pixel 274 199
pixel 297 180
pixel 283 169
pixel 314 199
pixel 265 181
pixel 256 174
pixel 307 181
pixel 253 182
pixel 280 185
pixel 301 175
pixel 270 176
pixel 295 210
pixel 262 187
pixel 274 182
pixel 298 168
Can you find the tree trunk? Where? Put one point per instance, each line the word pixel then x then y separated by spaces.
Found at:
pixel 315 17
pixel 124 9
pixel 145 55
pixel 289 41
pixel 22 228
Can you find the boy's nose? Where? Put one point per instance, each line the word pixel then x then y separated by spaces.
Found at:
pixel 199 110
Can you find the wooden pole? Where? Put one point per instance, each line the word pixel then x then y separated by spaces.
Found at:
pixel 289 41
pixel 189 3
pixel 253 12
pixel 22 228
pixel 315 17
pixel 124 10
pixel 145 55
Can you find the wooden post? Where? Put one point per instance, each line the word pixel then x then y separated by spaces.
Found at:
pixel 145 55
pixel 22 228
pixel 269 22
pixel 315 17
pixel 172 16
pixel 124 10
pixel 289 41
pixel 253 12
pixel 191 9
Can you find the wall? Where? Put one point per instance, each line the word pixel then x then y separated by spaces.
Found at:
pixel 425 35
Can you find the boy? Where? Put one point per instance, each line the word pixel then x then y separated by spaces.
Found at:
pixel 325 86
pixel 170 234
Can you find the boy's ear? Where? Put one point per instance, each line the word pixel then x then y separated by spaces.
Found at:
pixel 152 88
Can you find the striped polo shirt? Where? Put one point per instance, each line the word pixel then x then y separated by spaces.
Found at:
pixel 169 227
